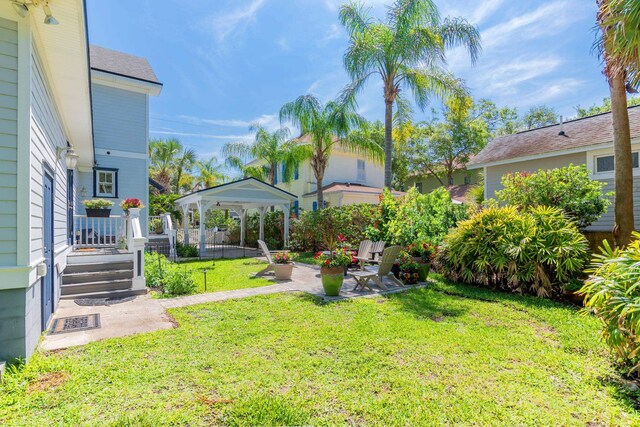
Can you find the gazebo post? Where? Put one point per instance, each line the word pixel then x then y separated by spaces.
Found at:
pixel 185 223
pixel 203 248
pixel 243 226
pixel 262 211
pixel 287 213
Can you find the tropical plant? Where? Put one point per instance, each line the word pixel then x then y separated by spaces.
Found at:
pixel 534 251
pixel 155 224
pixel 97 203
pixel 164 203
pixel 613 295
pixel 323 128
pixel 570 189
pixel 186 251
pixel 268 150
pixel 424 251
pixel 619 22
pixel 335 258
pixel 282 258
pixel 406 51
pixel 183 163
pixel 210 173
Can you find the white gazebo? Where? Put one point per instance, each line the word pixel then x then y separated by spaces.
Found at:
pixel 238 196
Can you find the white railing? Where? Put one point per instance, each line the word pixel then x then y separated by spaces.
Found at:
pixel 135 244
pixel 211 236
pixel 94 232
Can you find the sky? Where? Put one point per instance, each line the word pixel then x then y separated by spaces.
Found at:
pixel 226 64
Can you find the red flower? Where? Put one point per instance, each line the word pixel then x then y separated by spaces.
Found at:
pixel 327 262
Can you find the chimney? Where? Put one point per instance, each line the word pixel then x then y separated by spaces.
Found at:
pixel 561 133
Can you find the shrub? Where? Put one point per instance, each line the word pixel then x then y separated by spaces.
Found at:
pixel 612 293
pixel 186 251
pixel 167 277
pixel 570 189
pixel 164 203
pixel 534 251
pixel 179 282
pixel 422 218
pixel 156 266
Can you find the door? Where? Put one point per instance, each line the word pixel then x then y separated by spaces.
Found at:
pixel 47 244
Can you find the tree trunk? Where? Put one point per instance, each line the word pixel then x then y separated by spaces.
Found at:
pixel 319 192
pixel 623 178
pixel 388 143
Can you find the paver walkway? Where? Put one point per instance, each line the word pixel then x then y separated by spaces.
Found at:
pixel 145 314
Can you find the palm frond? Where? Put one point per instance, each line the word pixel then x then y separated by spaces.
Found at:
pixel 425 82
pixel 459 32
pixel 354 16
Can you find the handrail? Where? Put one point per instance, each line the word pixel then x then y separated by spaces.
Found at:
pixel 98 232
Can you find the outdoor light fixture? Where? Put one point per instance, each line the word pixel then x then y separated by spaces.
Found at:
pixel 218 204
pixel 22 8
pixel 70 158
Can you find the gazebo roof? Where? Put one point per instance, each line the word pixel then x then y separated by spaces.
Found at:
pixel 248 193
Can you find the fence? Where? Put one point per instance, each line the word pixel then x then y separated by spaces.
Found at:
pixel 104 232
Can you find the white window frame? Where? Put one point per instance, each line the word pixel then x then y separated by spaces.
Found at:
pixel 359 177
pixel 114 183
pixel 593 156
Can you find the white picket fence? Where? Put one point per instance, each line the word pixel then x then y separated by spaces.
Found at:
pixel 211 237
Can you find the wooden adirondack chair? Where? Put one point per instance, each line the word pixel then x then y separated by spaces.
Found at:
pixel 376 251
pixel 267 253
pixel 364 252
pixel 378 274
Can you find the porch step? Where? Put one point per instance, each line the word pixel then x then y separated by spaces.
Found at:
pixel 98 266
pixel 106 294
pixel 107 286
pixel 96 276
pixel 77 257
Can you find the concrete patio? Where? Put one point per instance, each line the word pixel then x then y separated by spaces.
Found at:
pixel 145 314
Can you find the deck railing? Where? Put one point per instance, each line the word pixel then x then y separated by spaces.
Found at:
pixel 92 232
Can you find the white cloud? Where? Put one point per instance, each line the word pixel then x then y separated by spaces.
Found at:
pixel 506 78
pixel 553 90
pixel 283 44
pixel 224 24
pixel 484 10
pixel 203 135
pixel 269 121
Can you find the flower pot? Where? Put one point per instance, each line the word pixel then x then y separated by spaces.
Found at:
pixel 283 271
pixel 98 213
pixel 409 277
pixel 423 271
pixel 332 278
pixel 395 269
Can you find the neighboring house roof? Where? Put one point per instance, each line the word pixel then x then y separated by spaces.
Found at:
pixel 579 135
pixel 459 192
pixel 345 187
pixel 161 188
pixel 122 64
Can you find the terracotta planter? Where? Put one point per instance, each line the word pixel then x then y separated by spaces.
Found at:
pixel 283 271
pixel 332 278
pixel 98 213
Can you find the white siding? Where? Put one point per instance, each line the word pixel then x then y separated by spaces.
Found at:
pixel 8 140
pixel 46 135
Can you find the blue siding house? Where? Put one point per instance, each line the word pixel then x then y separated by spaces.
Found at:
pixel 73 126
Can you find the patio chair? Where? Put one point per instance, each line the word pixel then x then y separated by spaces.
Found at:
pixel 364 252
pixel 377 274
pixel 267 254
pixel 376 252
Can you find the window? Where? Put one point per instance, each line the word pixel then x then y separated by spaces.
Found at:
pixel 362 175
pixel 451 181
pixel 105 183
pixel 419 187
pixel 467 180
pixel 607 163
pixel 296 172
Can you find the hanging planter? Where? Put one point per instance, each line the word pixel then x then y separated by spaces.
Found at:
pixel 97 208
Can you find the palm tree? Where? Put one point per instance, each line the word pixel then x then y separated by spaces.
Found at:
pixel 210 173
pixel 270 149
pixel 406 51
pixel 183 164
pixel 162 154
pixel 322 127
pixel 619 22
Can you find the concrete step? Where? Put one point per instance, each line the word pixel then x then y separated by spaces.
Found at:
pixel 98 257
pixel 98 266
pixel 96 276
pixel 109 294
pixel 93 287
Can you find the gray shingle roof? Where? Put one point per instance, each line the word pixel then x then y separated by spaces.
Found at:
pixel 580 134
pixel 122 64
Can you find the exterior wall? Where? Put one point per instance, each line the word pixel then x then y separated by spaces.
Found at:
pixel 493 174
pixel 8 141
pixel 430 183
pixel 120 120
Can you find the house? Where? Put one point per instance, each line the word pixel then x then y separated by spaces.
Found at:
pixel 461 181
pixel 73 126
pixel 349 178
pixel 585 141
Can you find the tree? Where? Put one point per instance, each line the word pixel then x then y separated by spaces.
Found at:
pixel 171 163
pixel 605 107
pixel 210 173
pixel 447 146
pixel 270 149
pixel 619 22
pixel 405 51
pixel 184 162
pixel 539 116
pixel 323 127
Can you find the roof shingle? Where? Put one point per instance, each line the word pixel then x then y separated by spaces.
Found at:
pixel 120 63
pixel 580 134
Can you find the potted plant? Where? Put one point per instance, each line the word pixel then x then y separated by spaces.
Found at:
pixel 131 203
pixel 283 265
pixel 332 265
pixel 408 268
pixel 98 208
pixel 422 255
pixel 122 243
pixel 155 224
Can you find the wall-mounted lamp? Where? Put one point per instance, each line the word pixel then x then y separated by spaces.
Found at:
pixel 83 192
pixel 70 158
pixel 22 8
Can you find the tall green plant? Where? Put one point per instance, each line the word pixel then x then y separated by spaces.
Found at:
pixel 324 127
pixel 407 50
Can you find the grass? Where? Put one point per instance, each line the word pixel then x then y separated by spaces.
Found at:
pixel 305 257
pixel 445 355
pixel 227 274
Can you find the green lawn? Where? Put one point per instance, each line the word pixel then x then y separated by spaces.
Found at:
pixel 304 257
pixel 445 355
pixel 227 274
